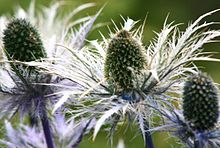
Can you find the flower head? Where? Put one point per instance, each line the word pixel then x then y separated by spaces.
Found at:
pixel 55 27
pixel 124 58
pixel 200 102
pixel 22 41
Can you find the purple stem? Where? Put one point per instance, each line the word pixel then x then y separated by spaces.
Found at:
pixel 47 130
pixel 198 144
pixel 148 138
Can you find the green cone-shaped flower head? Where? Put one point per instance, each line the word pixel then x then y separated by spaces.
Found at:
pixel 200 102
pixel 22 41
pixel 125 57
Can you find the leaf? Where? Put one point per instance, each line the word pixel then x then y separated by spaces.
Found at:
pixel 79 37
pixel 155 75
pixel 60 102
pixel 106 115
pixel 141 125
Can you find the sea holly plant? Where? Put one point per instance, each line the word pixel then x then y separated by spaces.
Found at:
pixel 29 91
pixel 22 42
pixel 196 124
pixel 119 79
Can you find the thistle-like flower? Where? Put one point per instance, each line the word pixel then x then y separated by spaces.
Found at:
pixel 196 125
pixel 86 69
pixel 104 91
pixel 22 41
pixel 125 58
pixel 200 102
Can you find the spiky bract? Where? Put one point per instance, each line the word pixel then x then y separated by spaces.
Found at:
pixel 22 41
pixel 200 102
pixel 125 57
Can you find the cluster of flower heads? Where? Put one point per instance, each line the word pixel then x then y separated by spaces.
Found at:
pixel 119 79
pixel 115 80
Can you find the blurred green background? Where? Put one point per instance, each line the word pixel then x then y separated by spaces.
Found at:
pixel 180 11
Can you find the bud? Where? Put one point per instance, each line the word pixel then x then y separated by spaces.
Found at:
pixel 125 57
pixel 200 102
pixel 22 41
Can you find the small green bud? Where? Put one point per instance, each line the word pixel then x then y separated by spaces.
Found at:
pixel 200 102
pixel 125 57
pixel 22 41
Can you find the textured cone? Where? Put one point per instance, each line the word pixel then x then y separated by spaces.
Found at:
pixel 200 102
pixel 22 41
pixel 124 57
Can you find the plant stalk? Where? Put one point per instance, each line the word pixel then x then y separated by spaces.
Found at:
pixel 148 138
pixel 197 144
pixel 47 130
